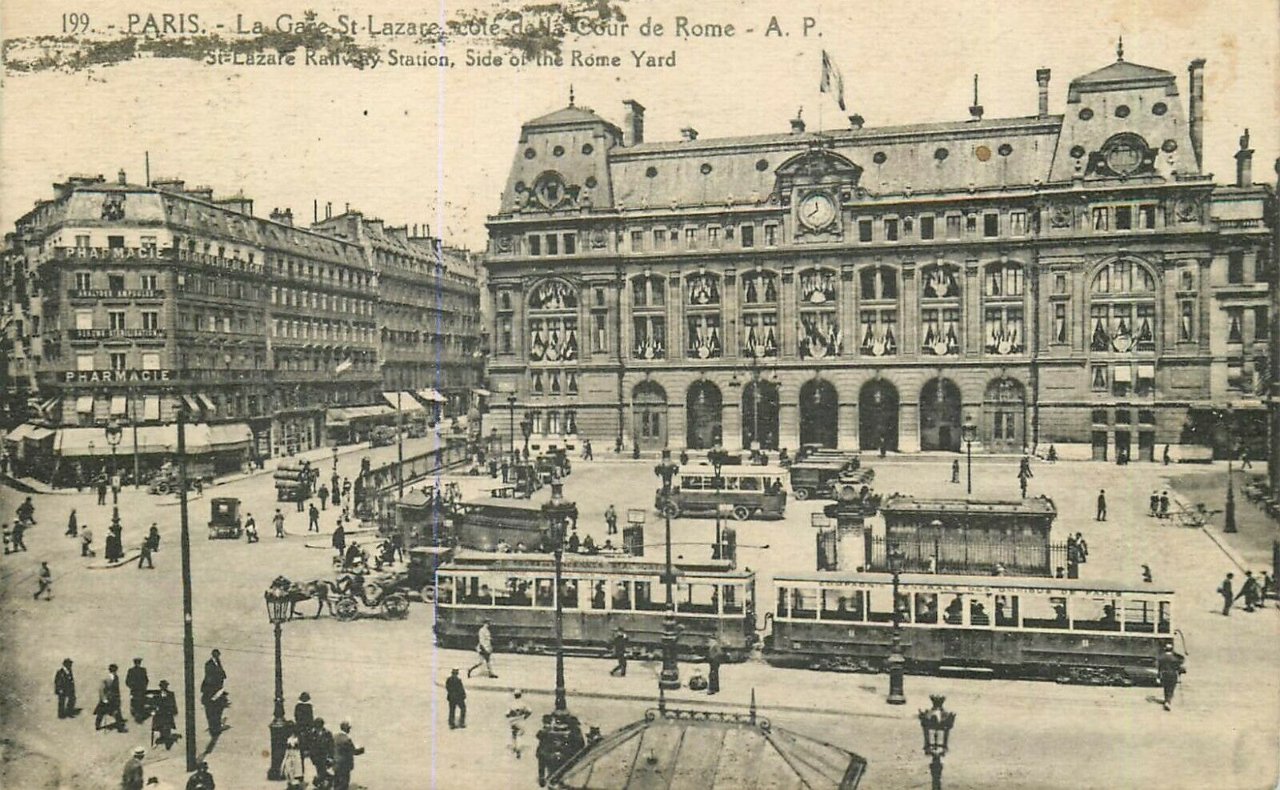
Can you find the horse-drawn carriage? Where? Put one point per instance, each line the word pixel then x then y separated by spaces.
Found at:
pixel 348 596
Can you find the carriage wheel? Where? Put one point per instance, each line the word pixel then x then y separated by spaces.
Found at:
pixel 396 606
pixel 670 510
pixel 801 493
pixel 162 488
pixel 741 512
pixel 346 608
pixel 428 593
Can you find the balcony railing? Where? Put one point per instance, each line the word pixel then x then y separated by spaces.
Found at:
pixel 115 334
pixel 106 293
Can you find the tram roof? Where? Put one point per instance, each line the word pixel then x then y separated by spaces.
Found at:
pixel 961 581
pixel 1040 505
pixel 585 563
pixel 533 505
pixel 702 467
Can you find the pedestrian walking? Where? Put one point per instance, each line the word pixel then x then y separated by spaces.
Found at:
pixel 18 538
pixel 212 692
pixel 1154 504
pixel 86 543
pixel 8 537
pixel 1165 457
pixel 1227 591
pixel 456 694
pixel 114 551
pixel 278 520
pixel 251 529
pixel 339 539
pixel 611 520
pixel 153 537
pixel 1268 587
pixel 72 524
pixel 1164 504
pixel 102 490
pixel 517 713
pixel 1101 515
pixel 1248 591
pixel 346 489
pixel 132 778
pixel 145 554
pixel 26 511
pixel 714 657
pixel 64 687
pixel 164 717
pixel 484 649
pixel 619 654
pixel 304 717
pixel 109 701
pixel 1082 548
pixel 587 454
pixel 291 767
pixel 955 470
pixel 321 752
pixel 202 779
pixel 44 583
pixel 323 493
pixel 1169 668
pixel 344 756
pixel 137 681
pixel 335 488
pixel 1244 459
pixel 313 515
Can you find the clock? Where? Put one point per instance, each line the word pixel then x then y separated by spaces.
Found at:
pixel 816 211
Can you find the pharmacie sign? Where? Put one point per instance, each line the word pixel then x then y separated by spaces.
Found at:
pixel 117 376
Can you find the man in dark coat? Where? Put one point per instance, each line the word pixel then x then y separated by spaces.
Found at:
pixel 102 490
pixel 1248 591
pixel 321 752
pixel 109 701
pixel 344 757
pixel 210 691
pixel 335 488
pixel 1101 515
pixel 619 653
pixel 1227 591
pixel 73 526
pixel 714 657
pixel 313 518
pixel 64 686
pixel 137 681
pixel 339 539
pixel 304 720
pixel 132 777
pixel 27 511
pixel 164 719
pixel 456 694
pixel 1169 667
pixel 323 493
pixel 201 779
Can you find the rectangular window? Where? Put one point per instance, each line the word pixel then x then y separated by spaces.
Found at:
pixel 151 360
pixel 118 360
pixel 1121 381
pixel 115 242
pixel 1261 323
pixel 649 337
pixel 690 238
pixel 990 225
pixel 84 281
pixel 553 244
pixel 1235 267
pixel 953 226
pixel 1235 322
pixel 535 245
pixel 771 235
pixel 890 230
pixel 1124 218
pixel 864 230
pixel 1101 218
pixel 1123 416
pixel 713 237
pixel 926 227
pixel 599 334
pixel 504 330
pixel 1017 223
pixel 1099 416
pixel 659 239
pixel 1059 283
pixel 150 320
pixel 971 223
pixel 1060 322
pixel 115 319
pixel 82 241
pixel 149 282
pixel 1186 320
pixel 599 297
pixel 1099 383
pixel 115 282
pixel 84 362
pixel 570 244
pixel 748 238
pixel 1147 216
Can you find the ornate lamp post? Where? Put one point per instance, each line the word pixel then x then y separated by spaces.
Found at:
pixel 897 662
pixel 188 622
pixel 717 456
pixel 561 732
pixel 114 434
pixel 526 428
pixel 968 432
pixel 669 679
pixel 278 604
pixel 1229 516
pixel 936 725
pixel 511 406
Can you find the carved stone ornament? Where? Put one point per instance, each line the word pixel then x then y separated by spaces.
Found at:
pixel 1187 210
pixel 1060 216
pixel 113 208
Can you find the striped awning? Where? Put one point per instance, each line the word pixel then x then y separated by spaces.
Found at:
pixel 151 407
pixel 84 404
pixel 119 405
pixel 406 401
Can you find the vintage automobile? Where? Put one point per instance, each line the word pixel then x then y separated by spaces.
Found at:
pixel 382 436
pixel 822 475
pixel 224 518
pixel 746 491
pixel 165 480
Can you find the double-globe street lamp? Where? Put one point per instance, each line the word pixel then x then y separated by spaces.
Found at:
pixel 561 734
pixel 669 679
pixel 968 432
pixel 897 662
pixel 114 434
pixel 278 606
pixel 936 724
pixel 717 457
pixel 511 407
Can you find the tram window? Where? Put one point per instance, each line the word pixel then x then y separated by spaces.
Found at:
pixel 955 611
pixel 622 595
pixel 514 593
pixel 650 597
pixel 569 594
pixel 699 598
pixel 1163 626
pixel 782 602
pixel 841 604
pixel 1096 614
pixel 473 592
pixel 1040 612
pixel 691 483
pixel 598 595
pixel 444 589
pixel 979 614
pixel 879 607
pixel 1139 616
pixel 749 483
pixel 1007 610
pixel 926 607
pixel 804 603
pixel 542 593
pixel 732 599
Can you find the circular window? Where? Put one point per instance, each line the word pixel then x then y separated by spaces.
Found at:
pixel 879 157
pixel 651 172
pixel 1005 149
pixel 1169 146
pixel 1124 154
pixel 941 154
pixel 520 186
pixel 591 182
pixel 1122 111
pixel 549 190
pixel 587 149
pixel 1086 114
pixel 1159 108
pixel 529 153
pixel 982 152
pixel 558 151
pixel 706 168
pixel 1077 151
pixel 762 165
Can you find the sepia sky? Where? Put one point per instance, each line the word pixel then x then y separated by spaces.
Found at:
pixel 424 145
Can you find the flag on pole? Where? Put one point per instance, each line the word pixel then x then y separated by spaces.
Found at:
pixel 344 365
pixel 832 81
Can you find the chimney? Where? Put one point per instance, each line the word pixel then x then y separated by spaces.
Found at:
pixel 120 179
pixel 797 123
pixel 1196 126
pixel 1042 79
pixel 283 216
pixel 975 109
pixel 1244 162
pixel 633 129
pixel 688 134
pixel 856 122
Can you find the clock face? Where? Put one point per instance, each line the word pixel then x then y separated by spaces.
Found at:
pixel 816 211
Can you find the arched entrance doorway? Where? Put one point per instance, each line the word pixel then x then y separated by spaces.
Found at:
pixel 649 407
pixel 703 406
pixel 760 415
pixel 1004 410
pixel 940 415
pixel 819 413
pixel 878 415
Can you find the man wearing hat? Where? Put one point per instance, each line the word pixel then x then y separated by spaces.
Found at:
pixel 64 686
pixel 132 777
pixel 137 681
pixel 165 715
pixel 109 701
pixel 201 779
pixel 321 747
pixel 211 692
pixel 303 721
pixel 1169 668
pixel 344 756
pixel 484 649
pixel 456 694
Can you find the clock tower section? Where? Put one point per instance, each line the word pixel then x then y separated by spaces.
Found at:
pixel 817 186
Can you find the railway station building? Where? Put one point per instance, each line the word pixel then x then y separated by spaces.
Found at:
pixel 1075 279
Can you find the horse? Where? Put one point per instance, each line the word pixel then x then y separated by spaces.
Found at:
pixel 325 591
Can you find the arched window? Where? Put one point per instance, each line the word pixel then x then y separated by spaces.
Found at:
pixel 705 339
pixel 878 311
pixel 553 322
pixel 820 335
pixel 940 309
pixel 760 314
pixel 1003 329
pixel 1122 308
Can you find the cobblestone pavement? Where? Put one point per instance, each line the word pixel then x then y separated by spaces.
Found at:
pixel 388 677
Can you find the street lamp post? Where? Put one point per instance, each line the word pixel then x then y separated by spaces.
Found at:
pixel 968 432
pixel 897 662
pixel 561 734
pixel 669 679
pixel 526 428
pixel 717 458
pixel 399 446
pixel 114 434
pixel 1229 515
pixel 511 405
pixel 936 724
pixel 188 623
pixel 278 605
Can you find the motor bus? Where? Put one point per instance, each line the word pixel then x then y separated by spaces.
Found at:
pixel 746 491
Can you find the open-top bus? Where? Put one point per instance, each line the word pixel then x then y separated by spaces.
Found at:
pixel 1070 630
pixel 601 593
pixel 747 492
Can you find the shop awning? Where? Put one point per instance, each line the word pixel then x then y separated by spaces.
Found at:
pixel 336 417
pixel 46 407
pixel 151 407
pixel 484 393
pixel 407 402
pixel 1123 373
pixel 230 436
pixel 84 404
pixel 80 442
pixel 192 405
pixel 20 433
pixel 119 405
pixel 432 395
pixel 1146 372
pixel 206 403
pixel 39 432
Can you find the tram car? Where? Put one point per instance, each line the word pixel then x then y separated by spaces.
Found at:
pixel 516 594
pixel 1068 630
